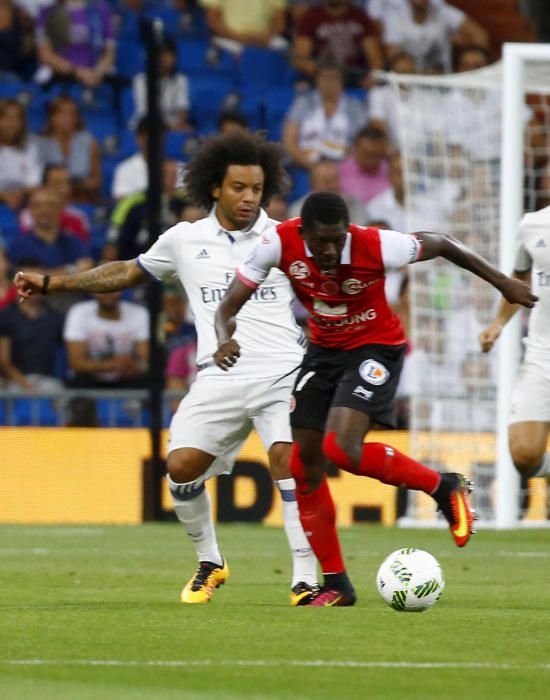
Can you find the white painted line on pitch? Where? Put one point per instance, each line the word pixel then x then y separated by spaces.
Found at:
pixel 253 663
pixel 10 551
pixel 539 555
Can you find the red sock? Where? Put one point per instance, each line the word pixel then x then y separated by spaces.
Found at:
pixel 318 518
pixel 386 464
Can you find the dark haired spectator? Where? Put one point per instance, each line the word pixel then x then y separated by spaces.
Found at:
pixel 75 42
pixel 81 412
pixel 324 176
pixel 277 208
pixel 55 251
pixel 323 122
pixel 16 41
pixel 471 58
pixel 131 175
pixel 30 336
pixel 365 173
pixel 8 294
pixel 107 343
pixel 236 24
pixel 230 120
pixel 73 219
pixel 66 141
pixel 427 30
pixel 174 91
pixel 389 205
pixel 20 165
pixel 336 29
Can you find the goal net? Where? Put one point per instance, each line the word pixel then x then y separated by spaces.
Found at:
pixel 474 150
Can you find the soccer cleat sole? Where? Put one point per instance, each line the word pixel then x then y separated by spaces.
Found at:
pixel 464 515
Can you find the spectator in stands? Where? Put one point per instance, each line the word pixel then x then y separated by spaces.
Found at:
pixel 107 343
pixel 75 42
pixel 55 251
pixel 8 294
pixel 73 219
pixel 66 141
pixel 180 340
pixel 537 12
pixel 324 176
pixel 174 91
pixel 471 58
pixel 183 209
pixel 20 165
pixel 16 41
pixel 365 173
pixel 131 175
pixel 345 33
pixel 230 120
pixel 298 7
pixel 277 208
pixel 236 24
pixel 29 340
pixel 427 31
pixel 389 205
pixel 323 123
pixel 128 234
pixel 383 101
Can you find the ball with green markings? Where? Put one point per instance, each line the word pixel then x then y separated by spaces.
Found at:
pixel 410 580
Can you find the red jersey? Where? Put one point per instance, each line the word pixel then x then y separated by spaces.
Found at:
pixel 346 309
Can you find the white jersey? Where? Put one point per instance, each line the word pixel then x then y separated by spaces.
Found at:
pixel 534 254
pixel 203 256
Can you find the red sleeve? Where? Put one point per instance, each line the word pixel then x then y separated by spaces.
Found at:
pixel 369 27
pixel 307 24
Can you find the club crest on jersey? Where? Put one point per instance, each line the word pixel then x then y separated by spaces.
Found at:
pixel 373 372
pixel 299 270
pixel 353 286
pixel 330 287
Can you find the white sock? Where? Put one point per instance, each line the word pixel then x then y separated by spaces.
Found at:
pixel 304 563
pixel 192 507
pixel 544 469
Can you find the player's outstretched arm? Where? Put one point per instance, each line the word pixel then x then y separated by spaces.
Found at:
pixel 225 322
pixel 436 245
pixel 505 311
pixel 111 277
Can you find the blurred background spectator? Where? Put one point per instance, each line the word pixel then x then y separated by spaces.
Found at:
pixel 66 141
pixel 106 341
pixel 29 341
pixel 130 175
pixel 323 122
pixel 75 42
pixel 8 295
pixel 337 29
pixel 174 91
pixel 20 164
pixel 73 220
pixel 365 173
pixel 238 23
pixel 16 42
pixel 324 176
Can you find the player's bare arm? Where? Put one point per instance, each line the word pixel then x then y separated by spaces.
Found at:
pixel 513 289
pixel 111 277
pixel 228 350
pixel 506 310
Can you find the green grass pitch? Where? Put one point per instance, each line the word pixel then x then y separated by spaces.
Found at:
pixel 94 613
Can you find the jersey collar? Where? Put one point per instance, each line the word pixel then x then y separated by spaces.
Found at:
pixel 256 229
pixel 345 257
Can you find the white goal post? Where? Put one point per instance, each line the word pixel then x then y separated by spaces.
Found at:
pixel 474 150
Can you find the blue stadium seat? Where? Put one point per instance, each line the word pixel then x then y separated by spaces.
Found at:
pixel 35 412
pixel 104 128
pixel 264 68
pixel 3 413
pixel 199 57
pixel 9 227
pixel 174 145
pixel 207 96
pixel 277 105
pixel 300 183
pixel 130 58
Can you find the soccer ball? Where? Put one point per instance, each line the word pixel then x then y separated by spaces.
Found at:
pixel 410 580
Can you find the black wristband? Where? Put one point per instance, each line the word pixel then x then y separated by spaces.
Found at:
pixel 45 284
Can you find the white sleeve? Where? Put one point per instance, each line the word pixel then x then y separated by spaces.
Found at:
pixel 523 261
pixel 263 257
pixel 453 17
pixel 398 249
pixel 75 327
pixel 160 260
pixel 140 323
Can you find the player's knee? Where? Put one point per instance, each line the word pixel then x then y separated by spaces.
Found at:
pixel 342 450
pixel 306 468
pixel 526 457
pixel 182 468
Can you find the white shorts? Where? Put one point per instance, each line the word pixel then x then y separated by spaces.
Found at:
pixel 531 395
pixel 217 415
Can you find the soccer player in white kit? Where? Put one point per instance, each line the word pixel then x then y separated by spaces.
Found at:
pixel 232 175
pixel 529 420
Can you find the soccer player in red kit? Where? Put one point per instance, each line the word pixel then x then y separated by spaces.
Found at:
pixel 350 373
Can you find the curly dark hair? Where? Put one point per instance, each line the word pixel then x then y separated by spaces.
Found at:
pixel 209 167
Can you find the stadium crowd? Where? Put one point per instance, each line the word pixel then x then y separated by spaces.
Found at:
pixel 73 144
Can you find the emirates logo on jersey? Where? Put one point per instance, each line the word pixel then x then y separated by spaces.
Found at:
pixel 299 270
pixel 353 286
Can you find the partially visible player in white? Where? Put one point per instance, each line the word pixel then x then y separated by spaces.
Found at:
pixel 529 421
pixel 232 176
